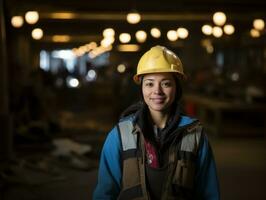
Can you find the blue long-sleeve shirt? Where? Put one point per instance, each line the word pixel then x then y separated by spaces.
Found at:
pixel 110 169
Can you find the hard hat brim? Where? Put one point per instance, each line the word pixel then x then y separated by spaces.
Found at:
pixel 179 74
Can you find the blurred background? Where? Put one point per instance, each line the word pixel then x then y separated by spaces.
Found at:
pixel 66 70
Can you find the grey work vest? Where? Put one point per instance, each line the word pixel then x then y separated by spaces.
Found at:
pixel 180 175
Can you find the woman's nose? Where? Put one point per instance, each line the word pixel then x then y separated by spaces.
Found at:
pixel 158 89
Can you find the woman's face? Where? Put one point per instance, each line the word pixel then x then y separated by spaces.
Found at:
pixel 159 90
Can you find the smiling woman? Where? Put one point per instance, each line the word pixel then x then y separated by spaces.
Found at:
pixel 155 152
pixel 159 92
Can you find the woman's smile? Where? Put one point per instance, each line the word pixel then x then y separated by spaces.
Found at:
pixel 158 100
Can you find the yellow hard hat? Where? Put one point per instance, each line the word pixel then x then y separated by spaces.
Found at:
pixel 159 59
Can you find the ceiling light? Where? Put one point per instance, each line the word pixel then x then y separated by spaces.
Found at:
pixel 121 68
pixel 133 18
pixel 219 18
pixel 254 33
pixel 108 32
pixel 182 33
pixel 32 17
pixel 37 33
pixel 229 29
pixel 172 35
pixel 128 47
pixel 124 37
pixel 141 36
pixel 107 41
pixel 258 24
pixel 206 29
pixel 91 45
pixel 217 31
pixel 17 21
pixel 91 75
pixel 63 15
pixel 72 82
pixel 61 38
pixel 155 32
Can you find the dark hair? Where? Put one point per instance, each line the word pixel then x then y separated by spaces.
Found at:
pixel 179 89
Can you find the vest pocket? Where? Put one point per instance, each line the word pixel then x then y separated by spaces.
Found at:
pixel 130 173
pixel 184 174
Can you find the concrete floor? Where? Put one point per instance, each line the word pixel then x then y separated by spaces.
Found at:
pixel 241 164
pixel 241 167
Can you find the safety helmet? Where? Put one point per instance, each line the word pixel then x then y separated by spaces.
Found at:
pixel 159 59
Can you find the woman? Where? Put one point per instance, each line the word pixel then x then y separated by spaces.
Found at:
pixel 155 152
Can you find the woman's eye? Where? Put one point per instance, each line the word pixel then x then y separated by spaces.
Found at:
pixel 166 84
pixel 149 84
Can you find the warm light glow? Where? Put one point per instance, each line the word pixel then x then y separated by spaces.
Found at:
pixel 206 43
pixel 121 68
pixel 219 18
pixel 217 31
pixel 209 49
pixel 133 18
pixel 172 35
pixel 32 17
pixel 254 33
pixel 62 15
pixel 155 32
pixel 82 50
pixel 141 36
pixel 91 45
pixel 17 21
pixel 108 32
pixel 124 37
pixel 85 48
pixel 128 47
pixel 206 29
pixel 107 41
pixel 37 33
pixel 229 29
pixel 61 38
pixel 259 24
pixel 182 33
